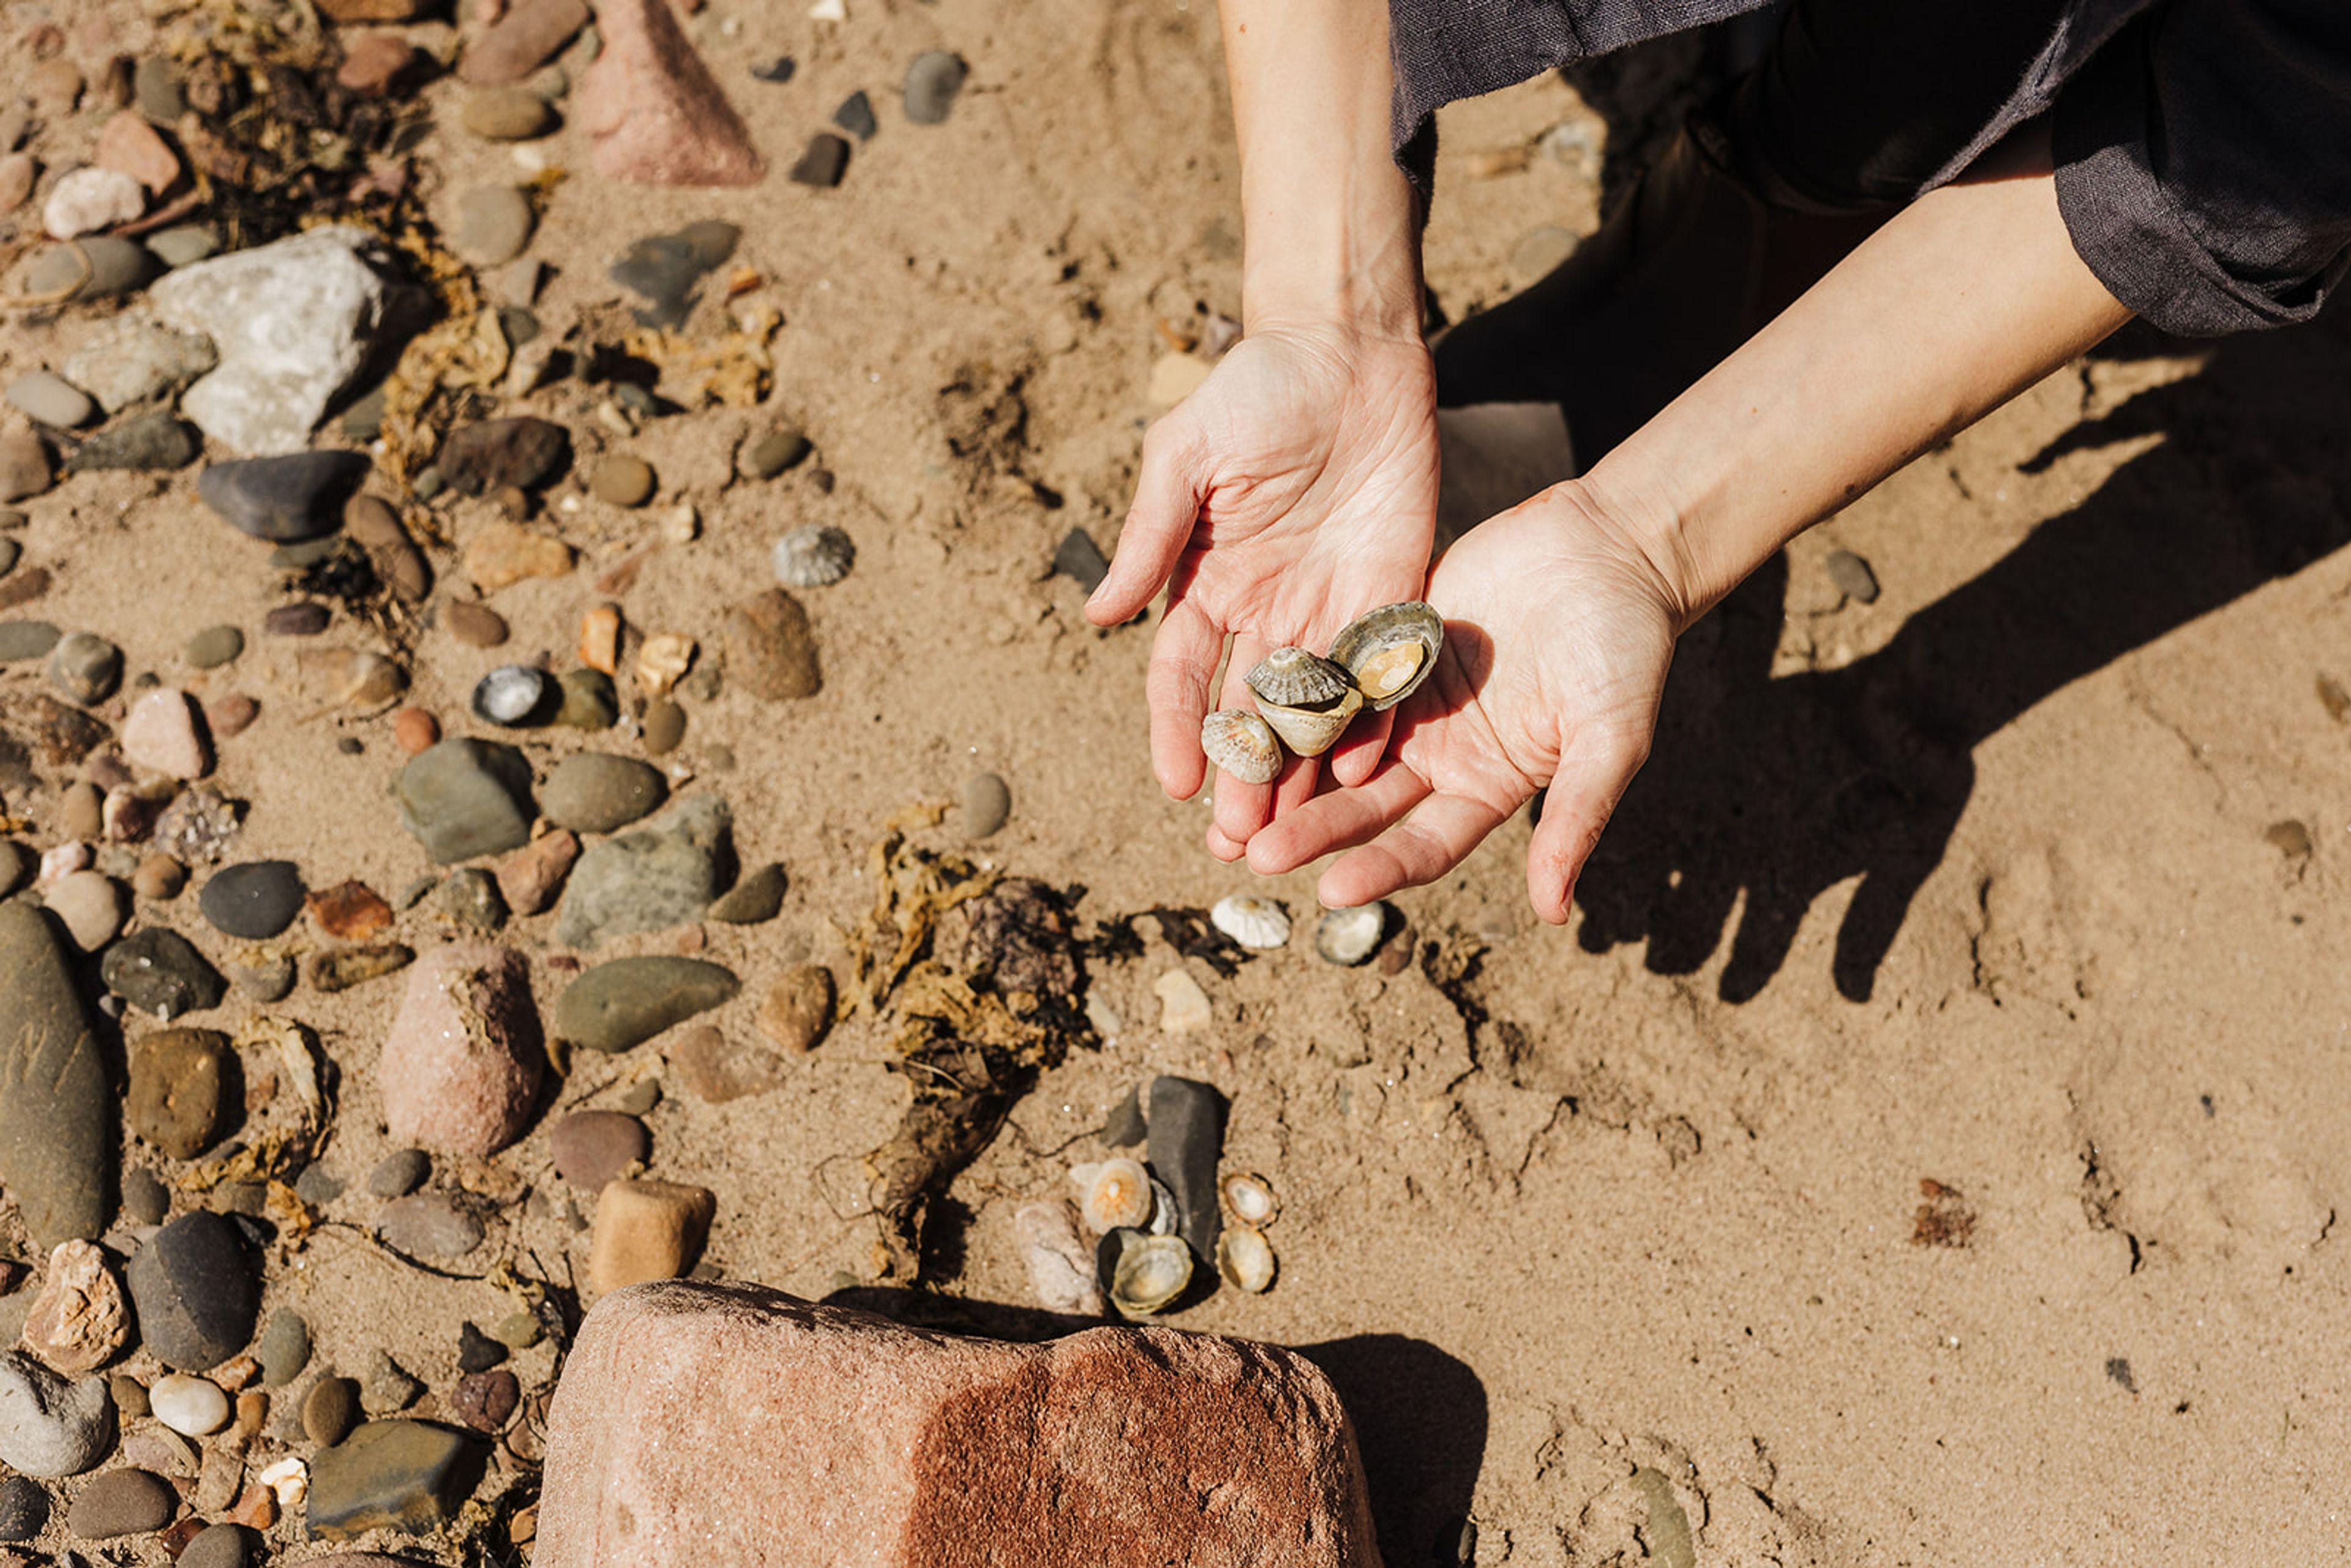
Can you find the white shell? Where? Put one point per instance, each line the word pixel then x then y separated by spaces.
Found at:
pixel 1242 744
pixel 1348 936
pixel 1251 922
pixel 1164 1216
pixel 1114 1192
pixel 511 694
pixel 1061 1265
pixel 1311 732
pixel 814 556
pixel 1151 1272
pixel 1245 1258
pixel 1248 1198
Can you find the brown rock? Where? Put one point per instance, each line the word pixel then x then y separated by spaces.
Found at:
pixel 530 878
pixel 526 38
pixel 17 172
pixel 770 650
pixel 716 1070
pixel 486 1401
pixel 54 86
pixel 375 527
pixel 600 639
pixel 373 64
pixel 590 1148
pixel 1116 1446
pixel 460 1067
pixel 24 587
pixel 473 623
pixel 160 878
pixel 230 715
pixel 415 730
pixel 129 145
pixel 502 554
pixel 79 1321
pixel 657 116
pixel 797 1009
pixel 350 911
pixel 347 11
pixel 647 1230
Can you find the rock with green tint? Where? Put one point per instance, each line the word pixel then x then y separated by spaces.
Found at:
pixel 627 1002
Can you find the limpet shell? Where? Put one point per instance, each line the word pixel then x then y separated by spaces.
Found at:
pixel 1245 1258
pixel 662 662
pixel 1311 732
pixel 511 695
pixel 1388 651
pixel 1248 1198
pixel 814 556
pixel 1242 744
pixel 1251 921
pixel 1294 677
pixel 1348 936
pixel 1151 1272
pixel 1114 1194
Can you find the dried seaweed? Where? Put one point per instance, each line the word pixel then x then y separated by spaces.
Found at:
pixel 1188 931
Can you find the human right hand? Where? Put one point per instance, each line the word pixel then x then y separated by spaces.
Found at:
pixel 1294 490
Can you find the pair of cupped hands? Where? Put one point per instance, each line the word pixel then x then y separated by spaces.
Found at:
pixel 1295 489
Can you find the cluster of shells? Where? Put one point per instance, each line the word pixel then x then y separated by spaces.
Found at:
pixel 1144 1265
pixel 1305 700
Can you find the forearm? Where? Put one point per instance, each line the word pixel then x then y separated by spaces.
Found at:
pixel 1332 236
pixel 1968 296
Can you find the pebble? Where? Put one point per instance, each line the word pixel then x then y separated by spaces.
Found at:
pixel 647 1230
pixel 192 1406
pixel 57 1116
pixel 428 1225
pixel 592 1148
pixel 332 972
pixel 145 1199
pixel 932 83
pixel 130 1395
pixel 24 639
pixel 589 701
pixel 10 553
pixel 1183 1005
pixel 132 360
pixel 400 1173
pixel 855 116
pixel 530 878
pixel 522 452
pixel 387 1387
pixel 329 1410
pixel 90 905
pixel 54 86
pixel 51 400
pixel 473 623
pixel 297 497
pixel 97 266
pixel 306 619
pixel 218 1546
pixel 502 554
pixel 640 1097
pixel 531 33
pixel 122 1502
pixel 159 878
pixel 1853 577
pixel 266 978
pixel 772 453
pixel 86 668
pixel 520 1331
pixel 477 1351
pixel 987 804
pixel 350 911
pixel 716 1070
pixel 215 646
pixel 462 1064
pixel 1185 1140
pixel 666 270
pixel 370 522
pixel 90 199
pixel 797 1009
pixel 196 1291
pixel 18 864
pixel 410 1474
pixel 778 70
pixel 51 1425
pixel 18 170
pixel 179 1095
pixel 665 727
pixel 770 648
pixel 24 1508
pixel 823 163
pixel 129 145
pixel 255 901
pixel 284 1348
pixel 372 65
pixel 755 898
pixel 79 1321
pixel 658 877
pixel 494 225
pixel 152 442
pixel 163 734
pixel 485 1400
pixel 466 798
pixel 625 1002
pixel 24 466
pixel 184 245
pixel 24 587
pixel 594 792
pixel 623 481
pixel 158 972
pixel 414 730
pixel 508 114
pixel 81 814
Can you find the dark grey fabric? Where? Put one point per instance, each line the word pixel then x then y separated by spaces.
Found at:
pixel 2203 147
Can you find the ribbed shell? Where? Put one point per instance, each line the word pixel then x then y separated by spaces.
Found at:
pixel 1351 936
pixel 1151 1272
pixel 1384 640
pixel 1292 677
pixel 1242 744
pixel 1250 921
pixel 814 556
pixel 1113 1195
pixel 1245 1258
pixel 1248 1198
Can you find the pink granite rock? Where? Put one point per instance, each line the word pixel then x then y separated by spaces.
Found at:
pixel 460 1067
pixel 164 734
pixel 521 41
pixel 701 1424
pixel 657 117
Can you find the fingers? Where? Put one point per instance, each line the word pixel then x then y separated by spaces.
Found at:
pixel 1167 495
pixel 1337 820
pixel 1183 658
pixel 1437 836
pixel 1243 808
pixel 1581 796
pixel 1359 750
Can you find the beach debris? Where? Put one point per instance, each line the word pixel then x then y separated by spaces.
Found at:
pixel 1253 922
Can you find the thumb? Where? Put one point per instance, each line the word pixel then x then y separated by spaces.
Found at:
pixel 1583 796
pixel 1167 496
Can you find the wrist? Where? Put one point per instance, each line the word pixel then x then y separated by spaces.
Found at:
pixel 1649 527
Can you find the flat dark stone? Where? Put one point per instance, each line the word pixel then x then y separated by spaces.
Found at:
pixel 297 497
pixel 466 798
pixel 855 116
pixel 627 1002
pixel 24 1508
pixel 255 901
pixel 778 70
pixel 408 1476
pixel 149 443
pixel 197 1290
pixel 523 452
pixel 1080 559
pixel 1185 1140
pixel 826 159
pixel 159 971
pixel 122 1502
pixel 666 271
pixel 56 1110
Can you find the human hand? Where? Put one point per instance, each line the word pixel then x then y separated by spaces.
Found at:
pixel 1295 489
pixel 1558 629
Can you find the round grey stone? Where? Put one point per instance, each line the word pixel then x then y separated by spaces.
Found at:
pixel 196 1291
pixel 400 1173
pixel 594 792
pixel 50 399
pixel 215 646
pixel 932 83
pixel 428 1225
pixel 218 1546
pixel 24 639
pixel 284 1348
pixel 159 971
pixel 122 1502
pixel 296 496
pixel 255 901
pixel 51 1425
pixel 494 224
pixel 145 1199
pixel 986 805
pixel 86 668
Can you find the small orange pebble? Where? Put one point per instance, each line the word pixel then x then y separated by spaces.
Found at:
pixel 414 728
pixel 600 639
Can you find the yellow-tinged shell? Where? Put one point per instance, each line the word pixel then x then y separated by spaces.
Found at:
pixel 1311 732
pixel 1388 651
pixel 1248 1198
pixel 1245 1258
pixel 1242 744
pixel 1114 1192
pixel 1151 1272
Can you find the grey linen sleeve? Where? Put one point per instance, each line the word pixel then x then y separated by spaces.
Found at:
pixel 2203 162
